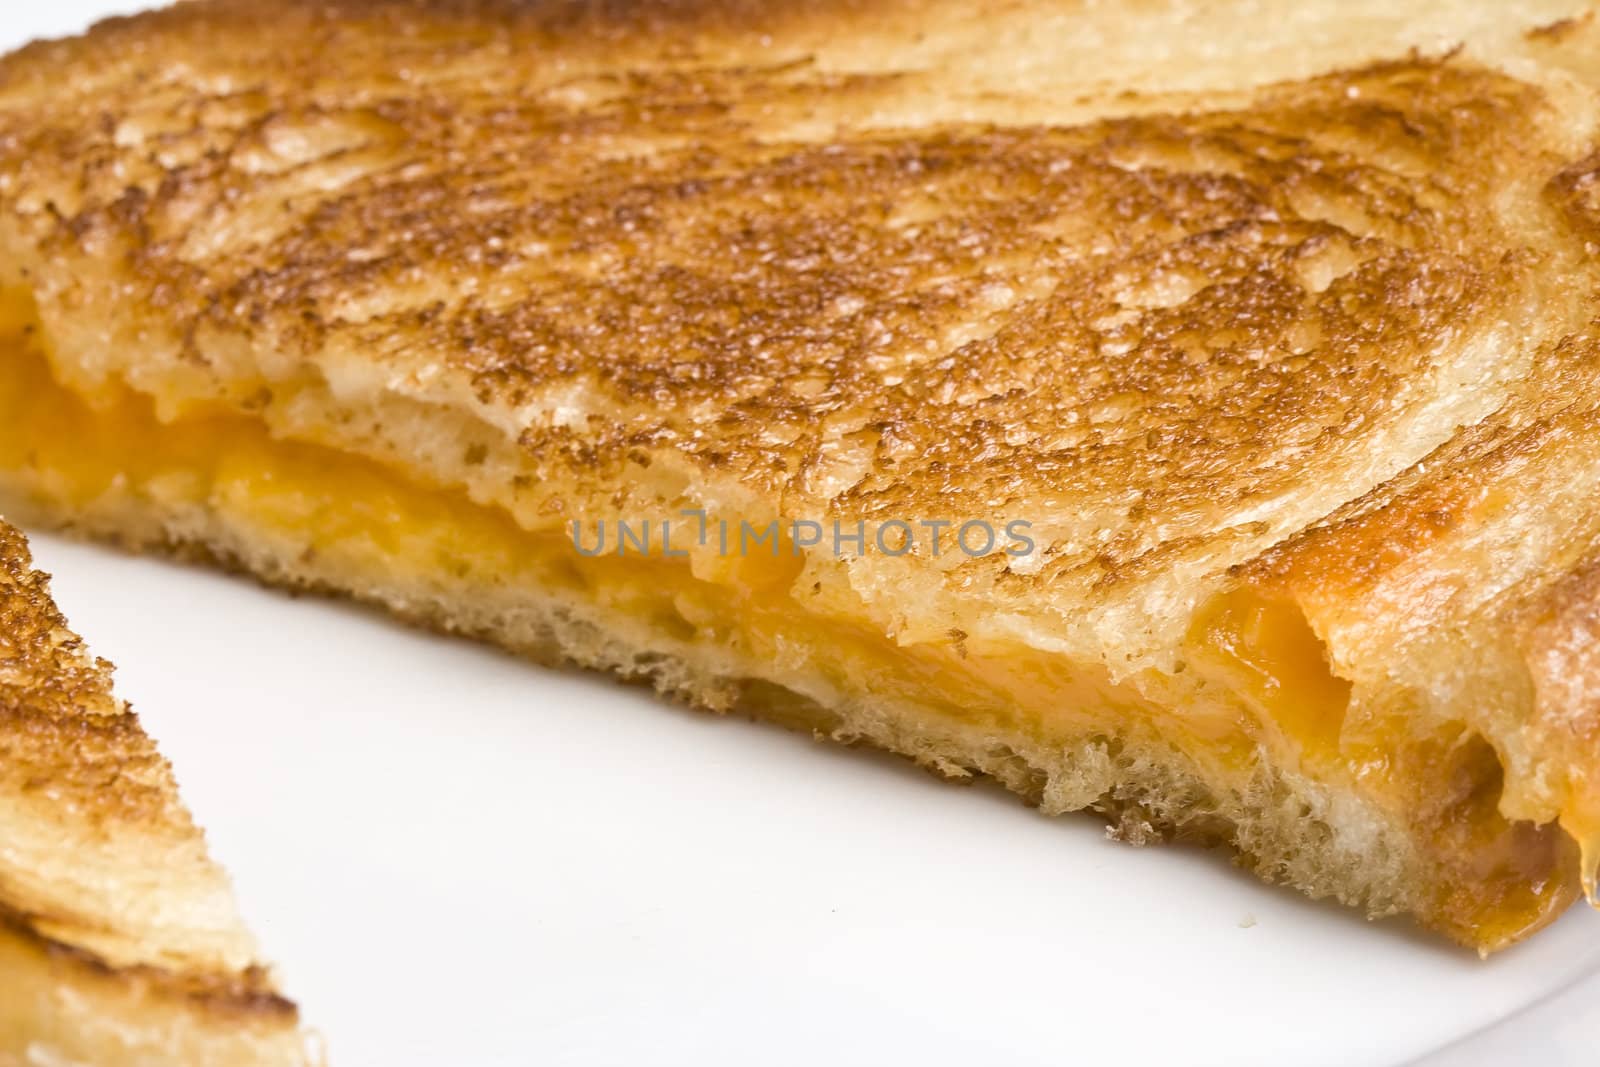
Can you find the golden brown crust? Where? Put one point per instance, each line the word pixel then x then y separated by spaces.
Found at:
pixel 105 878
pixel 56 700
pixel 712 288
pixel 698 236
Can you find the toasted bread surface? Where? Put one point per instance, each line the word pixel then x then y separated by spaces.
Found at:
pixel 119 940
pixel 1273 333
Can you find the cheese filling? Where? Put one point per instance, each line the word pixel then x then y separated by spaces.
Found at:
pixel 1260 686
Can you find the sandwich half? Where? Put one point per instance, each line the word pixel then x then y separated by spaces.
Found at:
pixel 120 945
pixel 1187 413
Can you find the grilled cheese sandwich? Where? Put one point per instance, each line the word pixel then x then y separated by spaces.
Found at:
pixel 119 940
pixel 1284 371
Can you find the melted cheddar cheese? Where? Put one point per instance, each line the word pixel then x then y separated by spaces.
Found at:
pixel 1259 680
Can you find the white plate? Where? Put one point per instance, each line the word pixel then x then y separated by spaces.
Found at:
pixel 462 860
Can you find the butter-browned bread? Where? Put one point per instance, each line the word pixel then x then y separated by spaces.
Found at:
pixel 119 942
pixel 1260 336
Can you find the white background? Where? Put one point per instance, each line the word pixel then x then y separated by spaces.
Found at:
pixel 458 859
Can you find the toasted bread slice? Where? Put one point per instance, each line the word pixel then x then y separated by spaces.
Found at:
pixel 1261 349
pixel 119 941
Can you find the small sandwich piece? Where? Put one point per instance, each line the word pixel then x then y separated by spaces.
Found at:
pixel 1167 410
pixel 119 942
